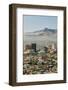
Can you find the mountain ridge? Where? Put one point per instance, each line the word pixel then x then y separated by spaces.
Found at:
pixel 46 29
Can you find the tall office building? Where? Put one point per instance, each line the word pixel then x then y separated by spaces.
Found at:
pixel 33 46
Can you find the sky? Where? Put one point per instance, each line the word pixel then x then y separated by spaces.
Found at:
pixel 35 22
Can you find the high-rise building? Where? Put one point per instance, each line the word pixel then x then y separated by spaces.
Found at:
pixel 33 46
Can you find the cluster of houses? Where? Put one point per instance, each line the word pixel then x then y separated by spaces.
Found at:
pixel 28 48
pixel 40 61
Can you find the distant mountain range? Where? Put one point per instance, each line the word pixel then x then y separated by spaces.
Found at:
pixel 44 31
pixel 41 37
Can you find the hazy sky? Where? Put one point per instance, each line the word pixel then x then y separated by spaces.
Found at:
pixel 35 23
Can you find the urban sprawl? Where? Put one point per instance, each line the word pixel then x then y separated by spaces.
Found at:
pixel 41 61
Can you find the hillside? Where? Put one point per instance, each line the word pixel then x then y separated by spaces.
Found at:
pixel 41 37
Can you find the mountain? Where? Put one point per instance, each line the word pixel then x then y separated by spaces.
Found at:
pixel 44 31
pixel 41 37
